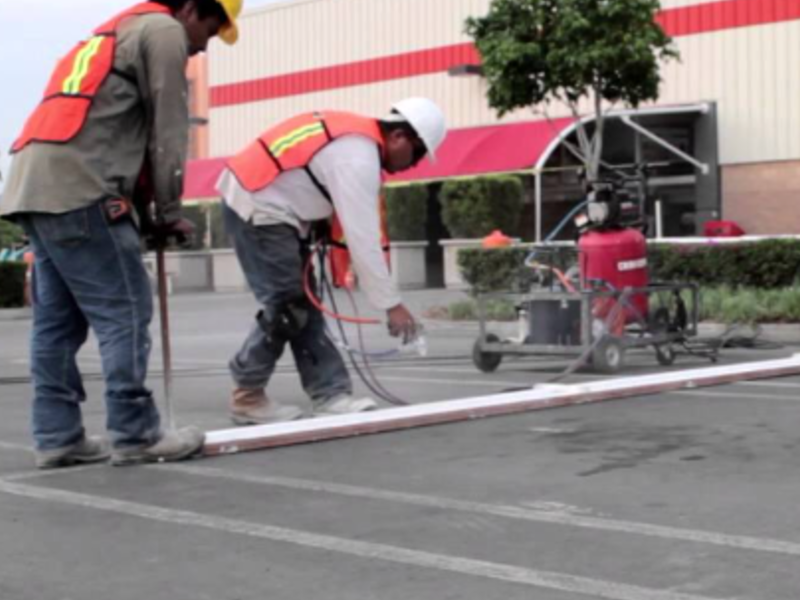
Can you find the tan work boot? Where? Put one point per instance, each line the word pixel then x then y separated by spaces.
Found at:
pixel 86 451
pixel 174 445
pixel 250 406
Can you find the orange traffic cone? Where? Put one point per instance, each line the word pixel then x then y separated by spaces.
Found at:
pixel 496 239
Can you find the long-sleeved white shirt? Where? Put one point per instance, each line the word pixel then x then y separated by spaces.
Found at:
pixel 349 168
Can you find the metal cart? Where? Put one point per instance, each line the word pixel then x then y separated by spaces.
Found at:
pixel 559 323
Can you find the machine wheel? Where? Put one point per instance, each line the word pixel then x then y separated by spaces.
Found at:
pixel 665 354
pixel 486 361
pixel 609 355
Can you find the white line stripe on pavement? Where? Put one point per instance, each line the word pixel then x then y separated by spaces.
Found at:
pixel 732 395
pixel 511 512
pixel 774 384
pixel 462 566
pixel 15 447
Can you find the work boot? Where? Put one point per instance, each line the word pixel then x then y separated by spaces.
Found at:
pixel 173 445
pixel 250 406
pixel 343 405
pixel 88 450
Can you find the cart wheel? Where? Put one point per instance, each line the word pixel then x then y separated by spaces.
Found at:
pixel 486 361
pixel 665 354
pixel 608 356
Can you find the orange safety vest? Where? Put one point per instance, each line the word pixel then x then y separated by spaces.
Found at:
pixel 75 82
pixel 292 145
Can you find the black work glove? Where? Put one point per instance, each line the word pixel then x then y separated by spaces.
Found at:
pixel 179 233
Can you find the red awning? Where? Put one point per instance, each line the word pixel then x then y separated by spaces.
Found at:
pixel 465 152
pixel 484 150
pixel 201 178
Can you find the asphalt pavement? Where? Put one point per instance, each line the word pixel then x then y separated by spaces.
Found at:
pixel 688 495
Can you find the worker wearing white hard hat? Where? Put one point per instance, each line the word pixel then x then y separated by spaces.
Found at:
pixel 306 169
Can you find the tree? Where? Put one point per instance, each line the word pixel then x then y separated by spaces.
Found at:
pixel 543 51
pixel 10 235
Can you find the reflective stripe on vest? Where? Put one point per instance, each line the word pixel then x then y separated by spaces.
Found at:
pixel 83 59
pixel 293 144
pixel 74 84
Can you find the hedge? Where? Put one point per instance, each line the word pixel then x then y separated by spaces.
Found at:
pixel 770 264
pixel 12 284
pixel 473 208
pixel 407 213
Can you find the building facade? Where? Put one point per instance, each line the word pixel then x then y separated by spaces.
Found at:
pixel 739 57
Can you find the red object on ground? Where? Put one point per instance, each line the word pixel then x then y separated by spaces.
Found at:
pixel 615 260
pixel 722 229
pixel 496 239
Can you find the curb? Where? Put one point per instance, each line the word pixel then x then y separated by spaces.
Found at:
pixel 16 314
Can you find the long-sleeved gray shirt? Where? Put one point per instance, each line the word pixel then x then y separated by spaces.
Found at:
pixel 144 107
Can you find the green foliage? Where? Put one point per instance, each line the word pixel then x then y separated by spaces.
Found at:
pixel 498 269
pixel 12 284
pixel 768 264
pixel 720 305
pixel 494 310
pixel 201 215
pixel 407 212
pixel 473 208
pixel 535 51
pixel 747 305
pixel 10 234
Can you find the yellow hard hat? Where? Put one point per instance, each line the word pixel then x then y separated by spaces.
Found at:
pixel 230 32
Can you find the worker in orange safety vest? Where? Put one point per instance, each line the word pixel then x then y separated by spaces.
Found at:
pixel 302 171
pixel 115 99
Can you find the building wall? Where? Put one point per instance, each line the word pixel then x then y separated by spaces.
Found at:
pixel 197 74
pixel 361 55
pixel 763 198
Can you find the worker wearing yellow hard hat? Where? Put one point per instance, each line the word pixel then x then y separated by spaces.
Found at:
pixel 229 33
pixel 111 127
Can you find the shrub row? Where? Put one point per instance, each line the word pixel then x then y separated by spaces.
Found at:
pixel 720 305
pixel 12 284
pixel 770 264
pixel 471 208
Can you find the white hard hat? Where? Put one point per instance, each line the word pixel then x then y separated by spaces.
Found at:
pixel 427 119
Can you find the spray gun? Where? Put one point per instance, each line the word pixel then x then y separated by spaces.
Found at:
pixel 417 345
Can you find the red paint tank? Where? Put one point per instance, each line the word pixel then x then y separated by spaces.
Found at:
pixel 618 257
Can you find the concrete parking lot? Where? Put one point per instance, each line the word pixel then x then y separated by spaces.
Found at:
pixel 689 495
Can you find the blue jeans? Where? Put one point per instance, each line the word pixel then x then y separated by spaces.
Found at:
pixel 88 272
pixel 272 258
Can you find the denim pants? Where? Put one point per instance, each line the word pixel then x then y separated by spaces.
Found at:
pixel 272 258
pixel 88 272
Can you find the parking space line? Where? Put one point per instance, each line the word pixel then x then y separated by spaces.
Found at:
pixel 732 395
pixel 14 447
pixel 511 512
pixel 563 582
pixel 773 384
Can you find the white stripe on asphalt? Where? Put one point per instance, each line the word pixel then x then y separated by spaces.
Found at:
pixel 511 512
pixel 774 384
pixel 15 447
pixel 463 566
pixel 732 395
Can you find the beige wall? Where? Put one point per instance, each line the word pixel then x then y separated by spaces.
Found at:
pixel 763 198
pixel 197 73
pixel 751 72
